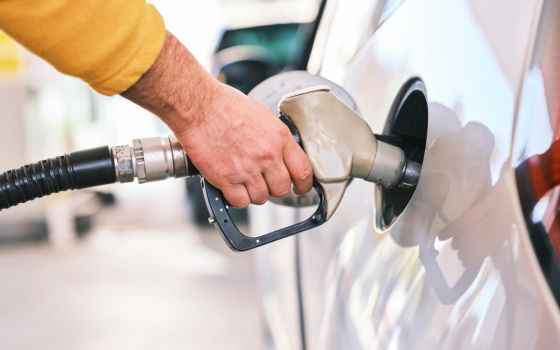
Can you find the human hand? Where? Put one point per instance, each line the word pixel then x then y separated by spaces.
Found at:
pixel 237 143
pixel 242 148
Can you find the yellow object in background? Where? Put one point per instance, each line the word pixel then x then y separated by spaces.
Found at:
pixel 11 57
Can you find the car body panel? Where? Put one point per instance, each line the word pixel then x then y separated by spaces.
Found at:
pixel 457 270
pixel 277 280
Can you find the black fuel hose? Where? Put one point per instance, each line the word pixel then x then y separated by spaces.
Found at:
pixel 77 170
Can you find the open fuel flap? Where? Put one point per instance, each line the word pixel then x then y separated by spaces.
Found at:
pixel 407 128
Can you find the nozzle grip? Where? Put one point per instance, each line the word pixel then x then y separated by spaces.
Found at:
pixel 219 211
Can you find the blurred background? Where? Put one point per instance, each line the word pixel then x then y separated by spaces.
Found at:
pixel 131 267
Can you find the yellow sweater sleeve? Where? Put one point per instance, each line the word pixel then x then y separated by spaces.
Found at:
pixel 109 44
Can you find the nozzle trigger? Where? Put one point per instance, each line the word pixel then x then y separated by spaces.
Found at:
pixel 235 239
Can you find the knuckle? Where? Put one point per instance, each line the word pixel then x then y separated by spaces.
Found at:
pixel 260 196
pixel 236 198
pixel 281 189
pixel 261 199
pixel 231 178
pixel 240 202
pixel 250 173
pixel 284 131
pixel 268 152
pixel 304 173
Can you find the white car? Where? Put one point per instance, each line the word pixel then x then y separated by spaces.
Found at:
pixel 469 260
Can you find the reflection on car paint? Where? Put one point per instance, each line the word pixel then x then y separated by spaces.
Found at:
pixel 384 302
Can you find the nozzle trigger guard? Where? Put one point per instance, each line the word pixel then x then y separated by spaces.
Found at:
pixel 220 217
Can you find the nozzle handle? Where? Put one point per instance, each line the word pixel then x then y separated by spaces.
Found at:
pixel 220 217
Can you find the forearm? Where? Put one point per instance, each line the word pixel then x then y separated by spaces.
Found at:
pixel 176 88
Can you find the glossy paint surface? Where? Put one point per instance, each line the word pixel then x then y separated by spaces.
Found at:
pixel 457 270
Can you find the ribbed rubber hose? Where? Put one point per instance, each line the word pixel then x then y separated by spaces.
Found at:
pixel 72 171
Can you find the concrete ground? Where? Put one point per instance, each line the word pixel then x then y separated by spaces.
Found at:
pixel 156 282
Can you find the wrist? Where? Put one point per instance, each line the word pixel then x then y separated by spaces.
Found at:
pixel 176 88
pixel 192 107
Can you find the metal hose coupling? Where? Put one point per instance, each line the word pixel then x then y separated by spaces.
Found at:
pixel 151 159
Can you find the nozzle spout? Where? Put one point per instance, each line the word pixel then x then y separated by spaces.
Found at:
pixel 341 146
pixel 411 175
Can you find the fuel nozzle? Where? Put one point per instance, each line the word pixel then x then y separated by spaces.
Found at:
pixel 341 146
pixel 339 143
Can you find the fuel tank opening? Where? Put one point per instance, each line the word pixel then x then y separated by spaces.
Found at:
pixel 407 128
